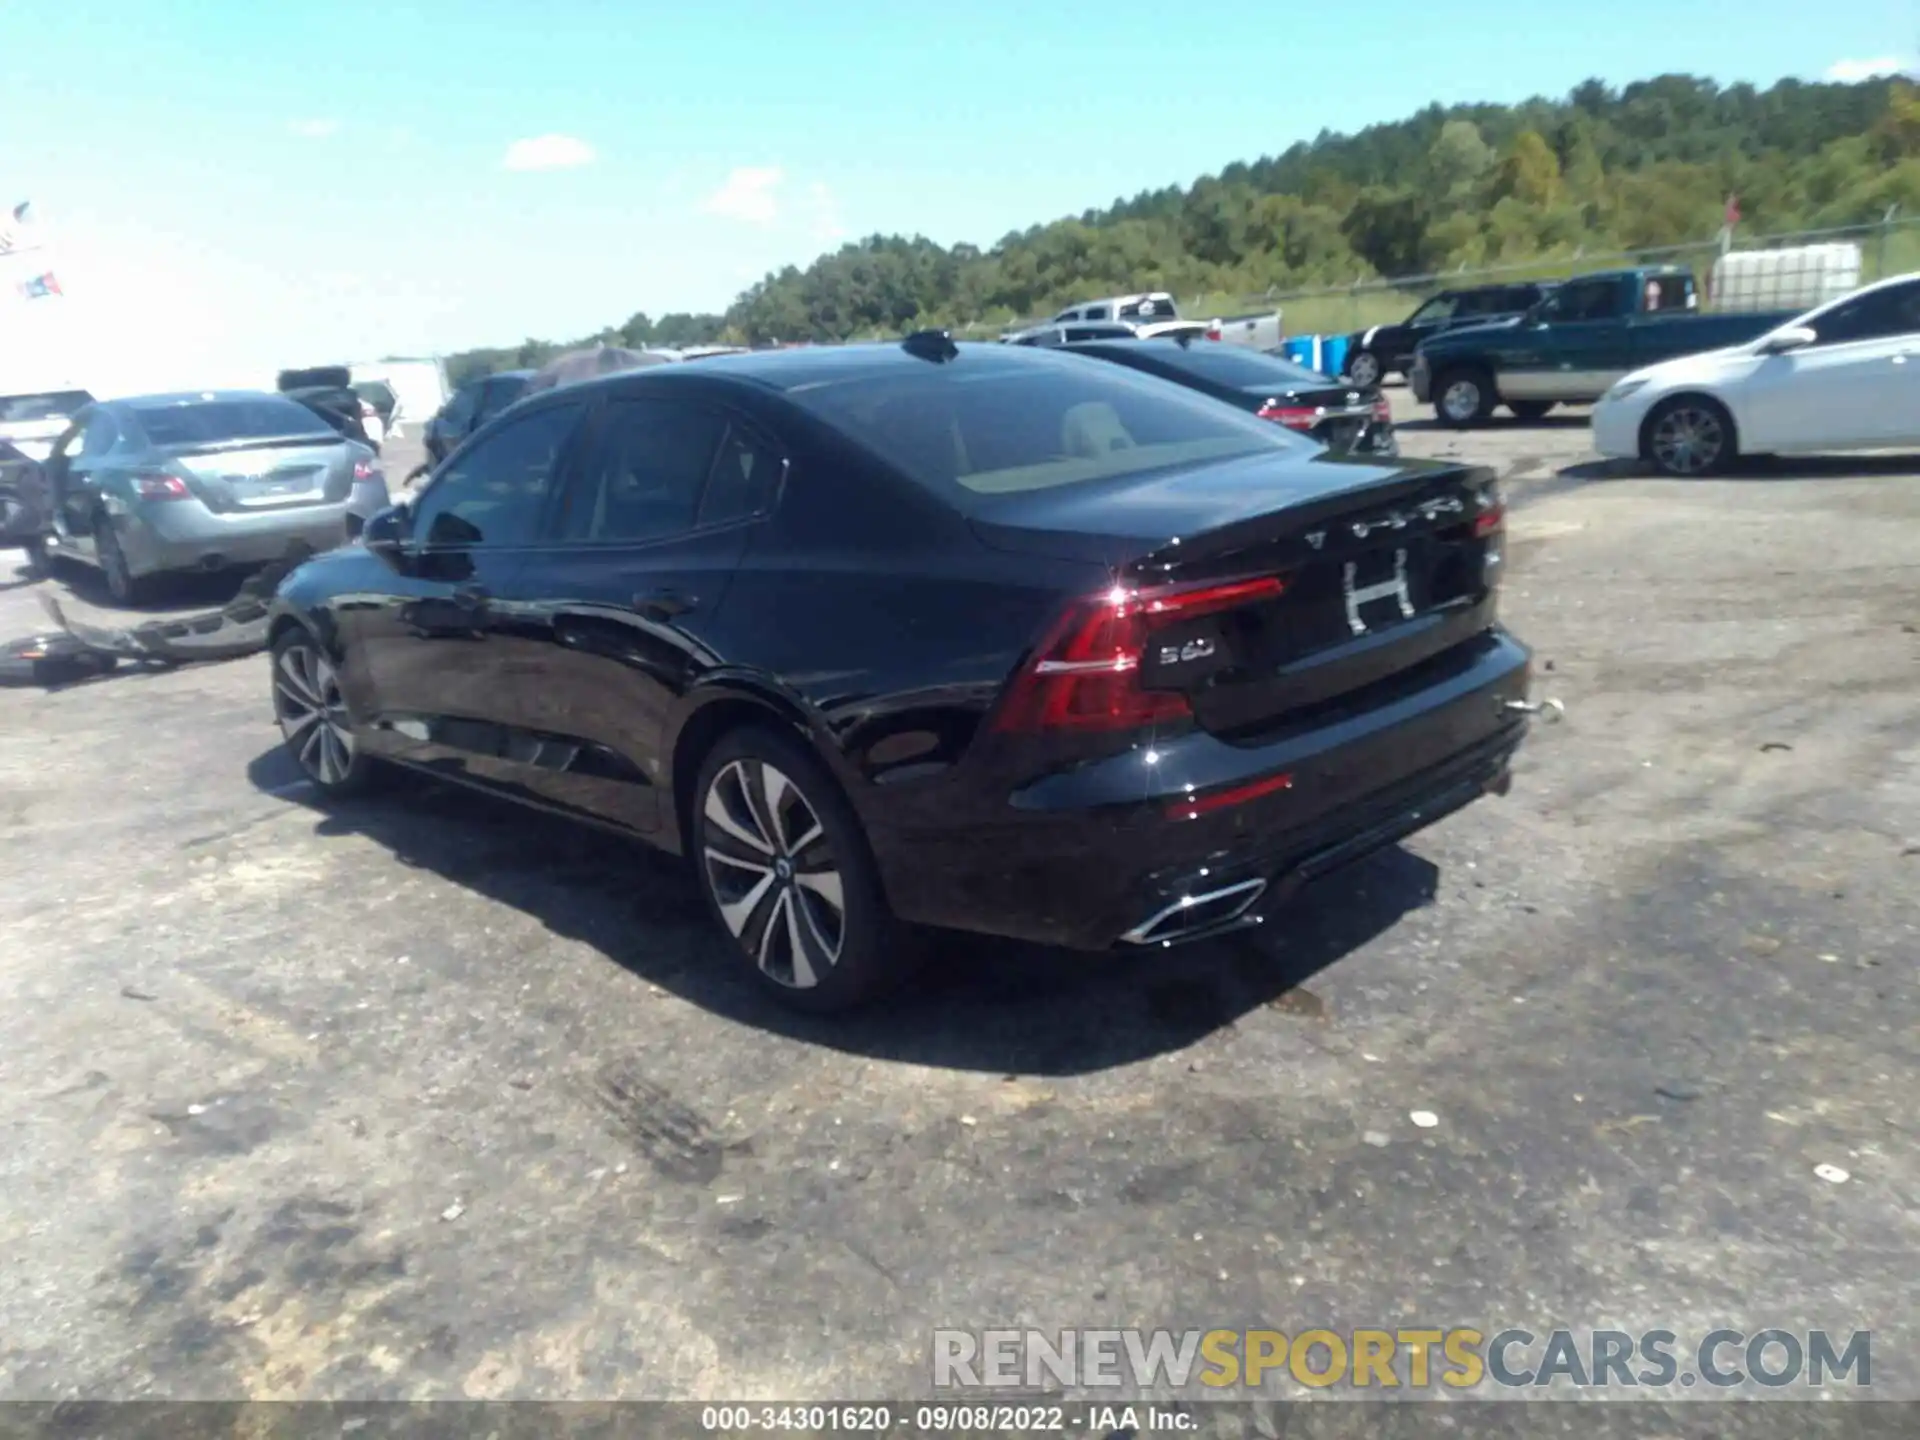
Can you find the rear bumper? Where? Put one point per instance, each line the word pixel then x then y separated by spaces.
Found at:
pixel 1091 857
pixel 185 535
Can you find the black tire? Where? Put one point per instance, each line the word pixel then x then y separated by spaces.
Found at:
pixel 1689 437
pixel 315 723
pixel 123 585
pixel 1364 368
pixel 1463 396
pixel 781 923
pixel 1530 410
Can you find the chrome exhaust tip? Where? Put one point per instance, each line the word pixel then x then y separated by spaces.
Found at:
pixel 1192 915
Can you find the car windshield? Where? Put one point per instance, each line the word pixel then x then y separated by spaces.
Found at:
pixel 1239 367
pixel 49 405
pixel 219 422
pixel 1005 429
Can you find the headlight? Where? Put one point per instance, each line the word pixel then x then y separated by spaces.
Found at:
pixel 1623 390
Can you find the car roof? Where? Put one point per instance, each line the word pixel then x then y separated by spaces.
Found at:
pixel 786 370
pixel 196 397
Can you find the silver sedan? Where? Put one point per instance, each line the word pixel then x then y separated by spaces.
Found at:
pixel 203 481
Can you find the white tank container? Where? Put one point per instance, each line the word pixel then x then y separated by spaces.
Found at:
pixel 1797 278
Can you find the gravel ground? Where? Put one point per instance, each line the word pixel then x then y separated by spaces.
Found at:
pixel 425 1098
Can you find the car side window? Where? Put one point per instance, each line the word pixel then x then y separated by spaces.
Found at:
pixel 745 476
pixel 497 396
pixel 646 475
pixel 496 492
pixel 1876 315
pixel 461 408
pixel 1095 312
pixel 99 436
pixel 1586 300
pixel 1441 307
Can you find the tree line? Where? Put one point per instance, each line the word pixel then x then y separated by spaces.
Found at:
pixel 1603 169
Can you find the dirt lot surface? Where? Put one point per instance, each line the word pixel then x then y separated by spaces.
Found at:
pixel 422 1097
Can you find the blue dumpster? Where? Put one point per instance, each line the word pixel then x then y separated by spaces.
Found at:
pixel 1304 350
pixel 1333 355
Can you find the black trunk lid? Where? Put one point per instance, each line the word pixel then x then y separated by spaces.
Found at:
pixel 1385 567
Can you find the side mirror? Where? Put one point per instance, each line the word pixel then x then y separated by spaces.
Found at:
pixel 1794 337
pixel 386 534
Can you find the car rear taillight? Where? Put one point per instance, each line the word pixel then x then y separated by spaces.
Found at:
pixel 1085 675
pixel 1490 526
pixel 365 470
pixel 1294 417
pixel 1382 411
pixel 1213 331
pixel 161 487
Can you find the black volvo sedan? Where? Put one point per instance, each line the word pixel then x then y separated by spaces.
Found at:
pixel 984 637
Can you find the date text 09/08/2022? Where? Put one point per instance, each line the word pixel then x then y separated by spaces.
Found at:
pixel 940 1419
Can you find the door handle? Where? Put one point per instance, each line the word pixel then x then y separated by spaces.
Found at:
pixel 664 604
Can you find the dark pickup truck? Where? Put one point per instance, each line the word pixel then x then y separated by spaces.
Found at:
pixel 1385 350
pixel 1574 344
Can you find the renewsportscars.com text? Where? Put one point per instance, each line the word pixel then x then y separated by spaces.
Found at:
pixel 1405 1357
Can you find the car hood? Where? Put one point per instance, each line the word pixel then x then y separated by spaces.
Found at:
pixel 1693 369
pixel 1467 335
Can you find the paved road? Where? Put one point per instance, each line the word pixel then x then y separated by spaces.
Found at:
pixel 420 1097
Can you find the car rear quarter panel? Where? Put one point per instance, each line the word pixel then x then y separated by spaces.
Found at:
pixel 865 610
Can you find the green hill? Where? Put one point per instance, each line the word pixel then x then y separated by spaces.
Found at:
pixel 1601 170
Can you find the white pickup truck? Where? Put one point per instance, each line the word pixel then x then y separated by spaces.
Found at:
pixel 1153 312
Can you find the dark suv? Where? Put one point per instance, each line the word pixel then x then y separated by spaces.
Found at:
pixel 472 405
pixel 1385 350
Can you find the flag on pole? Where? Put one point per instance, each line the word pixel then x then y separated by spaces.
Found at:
pixel 40 286
pixel 20 233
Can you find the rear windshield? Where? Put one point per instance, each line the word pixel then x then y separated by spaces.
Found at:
pixel 1234 365
pixel 51 405
pixel 215 422
pixel 1153 307
pixel 1007 429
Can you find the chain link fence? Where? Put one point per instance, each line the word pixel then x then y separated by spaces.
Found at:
pixel 1888 247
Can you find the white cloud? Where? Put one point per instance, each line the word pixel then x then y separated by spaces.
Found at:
pixel 314 129
pixel 547 152
pixel 827 228
pixel 748 195
pixel 1850 72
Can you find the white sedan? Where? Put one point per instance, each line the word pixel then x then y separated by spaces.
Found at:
pixel 1843 377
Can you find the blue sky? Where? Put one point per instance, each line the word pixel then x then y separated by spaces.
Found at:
pixel 237 185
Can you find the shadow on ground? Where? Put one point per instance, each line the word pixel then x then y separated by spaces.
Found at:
pixel 1758 468
pixel 978 1003
pixel 1501 422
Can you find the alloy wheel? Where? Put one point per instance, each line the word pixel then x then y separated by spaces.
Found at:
pixel 1365 370
pixel 1461 400
pixel 1689 440
pixel 773 873
pixel 313 713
